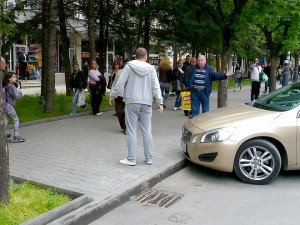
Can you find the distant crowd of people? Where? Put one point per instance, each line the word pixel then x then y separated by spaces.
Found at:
pixel 193 75
pixel 133 86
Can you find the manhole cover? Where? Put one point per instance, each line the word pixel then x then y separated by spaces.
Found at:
pixel 158 198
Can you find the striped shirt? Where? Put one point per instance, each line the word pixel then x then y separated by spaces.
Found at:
pixel 199 79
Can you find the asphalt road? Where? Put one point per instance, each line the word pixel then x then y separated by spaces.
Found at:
pixel 210 197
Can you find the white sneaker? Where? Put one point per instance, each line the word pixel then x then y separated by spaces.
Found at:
pixel 99 113
pixel 179 108
pixel 175 108
pixel 127 163
pixel 148 161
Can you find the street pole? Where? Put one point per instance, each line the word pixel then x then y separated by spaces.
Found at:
pixel 286 71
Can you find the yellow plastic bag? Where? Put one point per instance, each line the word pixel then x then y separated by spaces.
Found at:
pixel 186 100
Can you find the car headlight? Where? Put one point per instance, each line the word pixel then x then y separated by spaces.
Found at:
pixel 217 135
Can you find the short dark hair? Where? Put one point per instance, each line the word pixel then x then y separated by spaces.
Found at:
pixel 140 53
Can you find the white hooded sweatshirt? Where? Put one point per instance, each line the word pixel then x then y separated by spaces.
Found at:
pixel 138 83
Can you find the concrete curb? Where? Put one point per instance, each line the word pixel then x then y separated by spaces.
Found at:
pixel 56 213
pixel 95 209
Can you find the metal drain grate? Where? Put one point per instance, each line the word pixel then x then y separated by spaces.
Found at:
pixel 158 198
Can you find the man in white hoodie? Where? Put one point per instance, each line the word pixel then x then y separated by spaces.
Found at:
pixel 138 83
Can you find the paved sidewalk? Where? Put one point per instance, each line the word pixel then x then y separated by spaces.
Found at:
pixel 81 154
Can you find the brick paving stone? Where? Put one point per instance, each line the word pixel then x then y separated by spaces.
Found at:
pixel 82 153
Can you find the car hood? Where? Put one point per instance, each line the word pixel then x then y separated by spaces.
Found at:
pixel 231 116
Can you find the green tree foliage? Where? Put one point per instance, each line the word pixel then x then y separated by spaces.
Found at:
pixel 16 29
pixel 225 14
pixel 279 23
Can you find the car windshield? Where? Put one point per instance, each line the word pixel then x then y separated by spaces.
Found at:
pixel 283 99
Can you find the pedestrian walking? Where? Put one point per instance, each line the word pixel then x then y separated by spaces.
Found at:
pixel 238 76
pixel 267 71
pixel 186 69
pixel 78 82
pixel 23 61
pixel 97 85
pixel 177 84
pixel 112 76
pixel 138 84
pixel 119 103
pixel 186 63
pixel 255 70
pixel 165 75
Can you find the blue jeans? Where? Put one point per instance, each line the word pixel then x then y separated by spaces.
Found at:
pixel 197 98
pixel 165 93
pixel 178 99
pixel 75 100
pixel 266 85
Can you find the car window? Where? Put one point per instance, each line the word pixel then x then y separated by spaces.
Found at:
pixel 283 99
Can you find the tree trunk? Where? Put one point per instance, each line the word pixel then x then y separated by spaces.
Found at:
pixel 106 37
pixel 222 88
pixel 218 62
pixel 175 58
pixel 147 22
pixel 65 44
pixel 45 22
pixel 4 161
pixel 296 68
pixel 102 46
pixel 50 79
pixel 91 28
pixel 4 154
pixel 272 83
pixel 193 49
pixel 223 84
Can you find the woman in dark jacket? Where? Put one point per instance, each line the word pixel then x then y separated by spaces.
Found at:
pixel 78 82
pixel 165 75
pixel 178 85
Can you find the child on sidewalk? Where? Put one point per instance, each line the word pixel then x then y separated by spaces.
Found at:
pixel 12 93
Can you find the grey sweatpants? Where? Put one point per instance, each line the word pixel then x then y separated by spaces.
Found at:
pixel 138 113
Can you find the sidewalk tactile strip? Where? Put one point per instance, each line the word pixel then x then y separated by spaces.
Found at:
pixel 158 198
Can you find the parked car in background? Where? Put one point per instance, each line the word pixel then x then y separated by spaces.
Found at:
pixel 254 141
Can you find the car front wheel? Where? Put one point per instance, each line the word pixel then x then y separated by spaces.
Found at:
pixel 257 162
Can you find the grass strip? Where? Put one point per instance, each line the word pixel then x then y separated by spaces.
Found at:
pixel 28 201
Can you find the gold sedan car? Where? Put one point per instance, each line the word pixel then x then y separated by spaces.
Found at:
pixel 254 141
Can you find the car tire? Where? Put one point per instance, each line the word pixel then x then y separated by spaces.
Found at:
pixel 257 162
